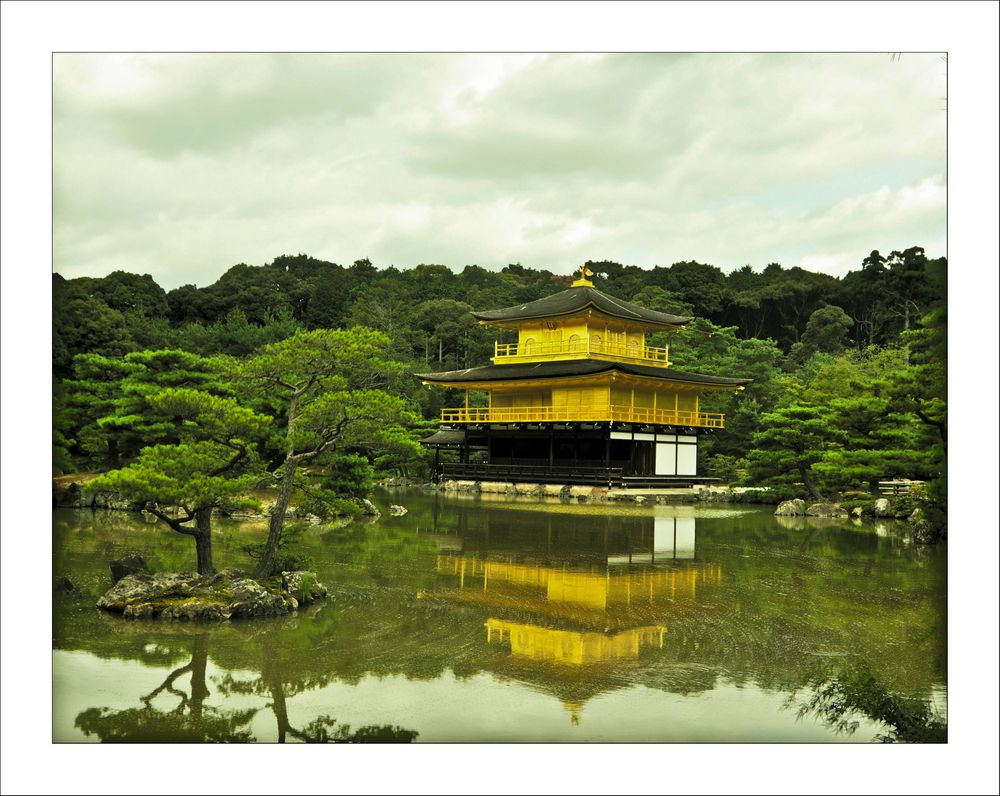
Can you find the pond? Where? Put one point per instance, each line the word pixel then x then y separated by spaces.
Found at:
pixel 495 619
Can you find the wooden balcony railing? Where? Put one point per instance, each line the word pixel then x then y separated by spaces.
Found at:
pixel 580 348
pixel 594 413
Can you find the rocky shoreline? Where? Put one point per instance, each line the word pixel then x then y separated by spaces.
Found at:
pixel 895 508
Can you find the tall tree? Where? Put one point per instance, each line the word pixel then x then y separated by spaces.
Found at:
pixel 328 299
pixel 790 442
pixel 327 389
pixel 826 330
pixel 211 464
pixel 111 396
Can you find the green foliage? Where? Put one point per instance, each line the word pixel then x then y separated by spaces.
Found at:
pixel 864 355
pixel 209 463
pixel 108 403
pixel 87 326
pixel 292 555
pixel 328 298
pixel 350 475
pixel 837 699
pixel 728 468
pixel 826 331
pixel 236 334
pixel 790 443
pixel 656 298
pixel 326 388
pixel 703 347
pixel 122 312
pixel 337 380
pixel 841 426
pixel 188 474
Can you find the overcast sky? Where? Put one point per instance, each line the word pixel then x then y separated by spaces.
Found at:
pixel 181 166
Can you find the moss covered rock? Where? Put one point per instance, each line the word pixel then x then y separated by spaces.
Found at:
pixel 192 597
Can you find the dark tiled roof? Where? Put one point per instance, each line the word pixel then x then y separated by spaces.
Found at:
pixel 445 437
pixel 573 367
pixel 576 299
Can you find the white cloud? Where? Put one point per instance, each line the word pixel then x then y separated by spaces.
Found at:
pixel 181 166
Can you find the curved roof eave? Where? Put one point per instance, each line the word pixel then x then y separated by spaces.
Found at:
pixel 570 368
pixel 576 299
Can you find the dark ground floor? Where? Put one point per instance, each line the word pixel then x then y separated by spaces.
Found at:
pixel 615 455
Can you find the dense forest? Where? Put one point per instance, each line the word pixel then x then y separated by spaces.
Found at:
pixel 849 373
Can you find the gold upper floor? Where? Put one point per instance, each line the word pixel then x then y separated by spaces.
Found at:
pixel 591 336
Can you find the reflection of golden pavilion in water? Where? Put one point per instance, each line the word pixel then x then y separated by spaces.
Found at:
pixel 568 625
pixel 572 595
pixel 569 646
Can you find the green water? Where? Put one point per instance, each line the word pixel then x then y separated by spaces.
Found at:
pixel 481 620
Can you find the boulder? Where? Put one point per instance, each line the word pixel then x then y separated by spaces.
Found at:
pixel 826 510
pixel 528 489
pixel 128 565
pixel 192 597
pixel 250 599
pixel 791 508
pixel 555 490
pixel 144 587
pixel 397 511
pixel 857 511
pixel 139 611
pixel 62 585
pixel 882 508
pixel 368 508
pixel 303 586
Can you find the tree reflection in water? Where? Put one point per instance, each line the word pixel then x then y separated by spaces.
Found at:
pixel 189 722
pixel 192 721
pixel 836 699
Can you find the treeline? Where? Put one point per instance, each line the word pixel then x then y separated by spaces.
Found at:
pixel 849 373
pixel 425 309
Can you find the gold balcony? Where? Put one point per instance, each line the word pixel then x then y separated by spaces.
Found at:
pixel 579 347
pixel 589 414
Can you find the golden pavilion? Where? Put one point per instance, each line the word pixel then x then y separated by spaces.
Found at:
pixel 580 398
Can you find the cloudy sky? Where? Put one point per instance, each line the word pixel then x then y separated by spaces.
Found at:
pixel 183 165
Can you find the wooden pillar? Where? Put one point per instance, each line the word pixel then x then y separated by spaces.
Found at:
pixel 552 446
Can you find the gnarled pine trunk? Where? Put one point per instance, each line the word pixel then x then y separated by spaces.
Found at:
pixel 810 485
pixel 203 541
pixel 270 554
